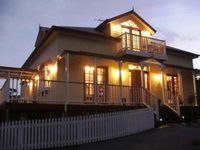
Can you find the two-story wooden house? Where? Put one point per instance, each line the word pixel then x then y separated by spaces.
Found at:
pixel 117 64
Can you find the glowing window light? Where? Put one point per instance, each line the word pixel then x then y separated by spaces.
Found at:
pixel 129 23
pixel 146 33
pixel 89 69
pixel 136 67
pixel 115 29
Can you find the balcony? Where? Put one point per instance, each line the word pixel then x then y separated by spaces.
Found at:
pixel 142 46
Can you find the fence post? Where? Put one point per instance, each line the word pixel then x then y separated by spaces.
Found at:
pixel 20 134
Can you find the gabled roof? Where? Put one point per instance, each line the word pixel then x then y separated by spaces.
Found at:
pixel 42 32
pixel 81 30
pixel 88 30
pixel 102 25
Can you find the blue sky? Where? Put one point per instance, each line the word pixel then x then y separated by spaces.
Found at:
pixel 176 21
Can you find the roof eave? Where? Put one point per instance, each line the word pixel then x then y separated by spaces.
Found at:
pixel 182 51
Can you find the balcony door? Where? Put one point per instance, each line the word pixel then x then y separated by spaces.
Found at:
pixel 131 38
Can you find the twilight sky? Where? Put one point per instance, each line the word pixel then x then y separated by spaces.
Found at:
pixel 176 21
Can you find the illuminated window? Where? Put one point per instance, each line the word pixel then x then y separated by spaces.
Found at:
pixel 136 39
pixel 101 76
pixel 136 67
pixel 131 40
pixel 89 83
pixel 101 84
pixel 126 38
pixel 89 74
pixel 129 23
pixel 172 85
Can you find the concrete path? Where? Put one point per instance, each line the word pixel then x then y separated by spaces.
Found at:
pixel 167 137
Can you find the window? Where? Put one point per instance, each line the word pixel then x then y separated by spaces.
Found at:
pixel 89 83
pixel 131 40
pixel 172 84
pixel 101 76
pixel 101 84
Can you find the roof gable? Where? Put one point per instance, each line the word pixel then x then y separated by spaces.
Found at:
pixel 131 15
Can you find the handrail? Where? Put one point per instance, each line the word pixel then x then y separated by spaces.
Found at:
pixel 151 101
pixel 172 101
pixel 144 37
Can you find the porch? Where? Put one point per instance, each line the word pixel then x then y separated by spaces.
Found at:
pixel 32 91
pixel 76 79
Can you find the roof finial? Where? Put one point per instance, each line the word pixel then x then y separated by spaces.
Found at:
pixel 133 8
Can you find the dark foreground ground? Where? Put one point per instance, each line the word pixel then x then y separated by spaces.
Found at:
pixel 167 137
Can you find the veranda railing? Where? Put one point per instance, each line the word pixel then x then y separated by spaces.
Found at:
pixel 22 90
pixel 54 92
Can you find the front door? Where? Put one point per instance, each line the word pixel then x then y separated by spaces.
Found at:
pixel 135 91
pixel 136 85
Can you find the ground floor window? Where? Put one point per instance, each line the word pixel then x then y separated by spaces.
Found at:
pixel 172 84
pixel 101 80
pixel 89 83
pixel 102 84
pixel 172 88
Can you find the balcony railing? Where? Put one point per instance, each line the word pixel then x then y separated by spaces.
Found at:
pixel 142 45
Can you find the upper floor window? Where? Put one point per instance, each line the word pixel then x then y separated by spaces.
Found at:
pixel 118 28
pixel 129 23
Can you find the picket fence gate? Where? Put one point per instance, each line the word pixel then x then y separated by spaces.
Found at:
pixel 67 131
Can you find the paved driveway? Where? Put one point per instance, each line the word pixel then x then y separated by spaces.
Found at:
pixel 168 137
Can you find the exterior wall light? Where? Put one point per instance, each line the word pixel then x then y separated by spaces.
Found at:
pixel 157 77
pixel 37 77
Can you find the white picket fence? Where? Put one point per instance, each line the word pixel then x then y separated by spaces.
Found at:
pixel 59 132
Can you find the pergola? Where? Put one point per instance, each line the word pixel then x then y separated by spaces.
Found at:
pixel 13 72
